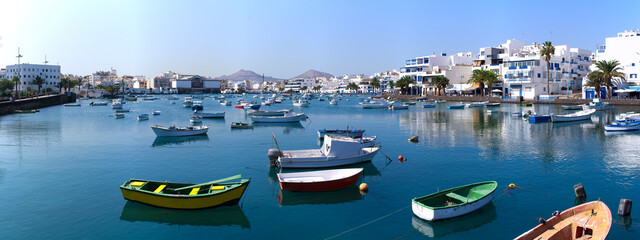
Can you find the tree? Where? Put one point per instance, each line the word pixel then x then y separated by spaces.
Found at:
pixel 317 88
pixel 441 82
pixel 609 70
pixel 111 89
pixel 403 83
pixel 16 82
pixel 478 77
pixel 353 86
pixel 546 51
pixel 304 88
pixel 375 83
pixel 64 84
pixel 38 81
pixel 6 86
pixel 596 80
pixel 490 77
pixel 281 89
pixel 392 84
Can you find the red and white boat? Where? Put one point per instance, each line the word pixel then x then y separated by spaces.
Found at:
pixel 318 181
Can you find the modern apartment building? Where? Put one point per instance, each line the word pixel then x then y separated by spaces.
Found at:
pixel 100 77
pixel 298 83
pixel 28 72
pixel 457 68
pixel 625 47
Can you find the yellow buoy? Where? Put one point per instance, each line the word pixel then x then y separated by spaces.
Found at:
pixel 512 186
pixel 364 187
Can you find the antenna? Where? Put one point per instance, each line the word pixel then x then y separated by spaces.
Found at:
pixel 45 60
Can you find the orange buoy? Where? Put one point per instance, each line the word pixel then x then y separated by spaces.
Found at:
pixel 400 158
pixel 364 187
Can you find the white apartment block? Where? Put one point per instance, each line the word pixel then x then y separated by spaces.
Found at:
pixel 625 47
pixel 163 81
pixel 29 72
pixel 100 77
pixel 457 68
pixel 298 83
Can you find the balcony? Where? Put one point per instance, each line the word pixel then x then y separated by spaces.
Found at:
pixel 523 67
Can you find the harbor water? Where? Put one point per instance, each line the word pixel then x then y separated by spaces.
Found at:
pixel 61 168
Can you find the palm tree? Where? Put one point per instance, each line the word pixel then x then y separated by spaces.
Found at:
pixel 478 77
pixel 596 80
pixel 111 89
pixel 403 83
pixel 317 88
pixel 441 82
pixel 353 86
pixel 64 84
pixel 547 50
pixel 609 70
pixel 490 77
pixel 304 88
pixel 16 82
pixel 375 83
pixel 38 81
pixel 391 84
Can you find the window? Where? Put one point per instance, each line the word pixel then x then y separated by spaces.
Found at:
pixel 538 75
pixel 633 64
pixel 634 75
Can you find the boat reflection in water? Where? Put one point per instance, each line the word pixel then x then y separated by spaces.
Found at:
pixel 463 223
pixel 286 127
pixel 349 194
pixel 168 141
pixel 222 216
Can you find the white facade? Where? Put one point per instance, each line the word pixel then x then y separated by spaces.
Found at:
pixel 100 77
pixel 211 83
pixel 28 72
pixel 457 68
pixel 625 47
pixel 297 84
pixel 176 83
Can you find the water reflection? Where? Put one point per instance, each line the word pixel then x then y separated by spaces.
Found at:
pixel 222 216
pixel 464 223
pixel 348 194
pixel 168 141
pixel 287 128
pixel 621 157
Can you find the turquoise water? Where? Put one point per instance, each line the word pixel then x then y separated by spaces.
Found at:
pixel 61 168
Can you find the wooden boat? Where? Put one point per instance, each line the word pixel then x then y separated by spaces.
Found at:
pixel 174 131
pixel 143 117
pixel 185 195
pixel 591 220
pixel 493 105
pixel 539 117
pixel 287 117
pixel 598 105
pixel 72 105
pixel 98 103
pixel 478 104
pixel 26 111
pixel 318 181
pixel 576 116
pixel 572 107
pixel 335 151
pixel 241 125
pixel 620 126
pixel 398 107
pixel 461 106
pixel 352 133
pixel 268 113
pixel 454 202
pixel 118 115
pixel 429 106
pixel 212 115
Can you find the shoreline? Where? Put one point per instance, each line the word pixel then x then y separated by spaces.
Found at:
pixel 624 102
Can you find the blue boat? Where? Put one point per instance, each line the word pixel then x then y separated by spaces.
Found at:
pixel 456 107
pixel 197 107
pixel 429 106
pixel 539 118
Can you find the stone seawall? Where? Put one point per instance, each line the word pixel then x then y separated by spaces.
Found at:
pixel 36 103
pixel 626 102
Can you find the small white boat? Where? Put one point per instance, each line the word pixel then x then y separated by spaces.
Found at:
pixel 225 103
pixel 477 104
pixel 373 104
pixel 195 119
pixel 212 114
pixel 188 102
pixel 453 202
pixel 268 113
pixel 317 181
pixel 398 107
pixel 174 131
pixel 156 113
pixel 72 105
pixel 143 117
pixel 301 103
pixel 572 107
pixel 123 110
pixel 99 103
pixel 440 101
pixel 335 151
pixel 287 117
pixel 598 105
pixel 333 102
pixel 172 102
pixel 516 114
pixel 116 104
pixel 576 116
pixel 118 115
pixel 628 121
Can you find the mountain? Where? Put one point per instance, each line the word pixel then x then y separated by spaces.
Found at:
pixel 248 75
pixel 313 74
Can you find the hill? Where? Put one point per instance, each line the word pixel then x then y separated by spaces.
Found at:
pixel 248 75
pixel 313 74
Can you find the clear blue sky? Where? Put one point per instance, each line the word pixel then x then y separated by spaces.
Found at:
pixel 285 38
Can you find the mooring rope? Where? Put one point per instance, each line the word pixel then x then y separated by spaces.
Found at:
pixel 370 222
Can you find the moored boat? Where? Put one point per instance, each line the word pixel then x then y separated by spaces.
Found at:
pixel 335 151
pixel 493 105
pixel 620 126
pixel 317 181
pixel 598 105
pixel 188 102
pixel 373 104
pixel 453 202
pixel 478 104
pixel 72 105
pixel 590 220
pixel 539 117
pixel 301 103
pixel 118 115
pixel 241 125
pixel 143 117
pixel 116 103
pixel 461 106
pixel 123 110
pixel 174 131
pixel 185 195
pixel 156 113
pixel 352 133
pixel 195 119
pixel 26 111
pixel 287 117
pixel 212 114
pixel 197 106
pixel 572 107
pixel 429 106
pixel 268 113
pixel 98 103
pixel 333 102
pixel 398 107
pixel 576 116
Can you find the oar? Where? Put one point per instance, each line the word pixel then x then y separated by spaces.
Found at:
pixel 212 182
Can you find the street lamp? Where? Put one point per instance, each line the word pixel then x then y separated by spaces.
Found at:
pixel 19 72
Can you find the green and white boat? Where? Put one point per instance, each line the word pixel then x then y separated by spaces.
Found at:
pixel 454 202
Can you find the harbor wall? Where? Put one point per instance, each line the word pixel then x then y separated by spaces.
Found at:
pixel 563 101
pixel 8 107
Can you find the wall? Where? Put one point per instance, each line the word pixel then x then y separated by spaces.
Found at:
pixel 36 103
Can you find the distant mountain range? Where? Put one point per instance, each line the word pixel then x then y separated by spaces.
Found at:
pixel 255 78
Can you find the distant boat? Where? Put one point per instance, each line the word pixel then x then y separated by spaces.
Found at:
pixel 590 220
pixel 333 102
pixel 516 114
pixel 453 202
pixel 212 114
pixel 493 105
pixel 143 117
pixel 429 106
pixel 478 104
pixel 572 107
pixel 116 103
pixel 317 181
pixel 301 103
pixel 188 102
pixel 400 107
pixel 156 113
pixel 268 113
pixel 99 103
pixel 373 104
pixel 576 116
pixel 240 125
pixel 185 195
pixel 539 117
pixel 26 111
pixel 174 131
pixel 252 106
pixel 287 117
pixel 72 105
pixel 629 121
pixel 335 151
pixel 527 104
pixel 123 110
pixel 598 105
pixel 461 106
pixel 225 103
pixel 440 101
pixel 118 115
pixel 195 119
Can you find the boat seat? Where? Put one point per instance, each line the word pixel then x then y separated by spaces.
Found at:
pixel 214 188
pixel 160 188
pixel 136 184
pixel 457 197
pixel 194 191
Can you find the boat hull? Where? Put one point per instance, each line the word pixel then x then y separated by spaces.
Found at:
pixel 592 219
pixel 297 118
pixel 555 118
pixel 340 132
pixel 325 162
pixel 318 186
pixel 456 107
pixel 622 127
pixel 439 213
pixel 178 133
pixel 429 106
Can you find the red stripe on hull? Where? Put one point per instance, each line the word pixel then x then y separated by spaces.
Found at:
pixel 320 186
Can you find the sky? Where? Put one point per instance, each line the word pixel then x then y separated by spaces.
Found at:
pixel 285 38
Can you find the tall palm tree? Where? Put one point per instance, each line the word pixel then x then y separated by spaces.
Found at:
pixel 391 84
pixel 352 86
pixel 403 83
pixel 64 83
pixel 375 83
pixel 38 81
pixel 441 82
pixel 16 82
pixel 596 80
pixel 478 77
pixel 609 70
pixel 490 77
pixel 317 88
pixel 546 51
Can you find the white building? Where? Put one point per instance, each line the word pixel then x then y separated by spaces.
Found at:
pixel 29 72
pixel 298 83
pixel 457 68
pixel 195 83
pixel 163 81
pixel 100 77
pixel 625 47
